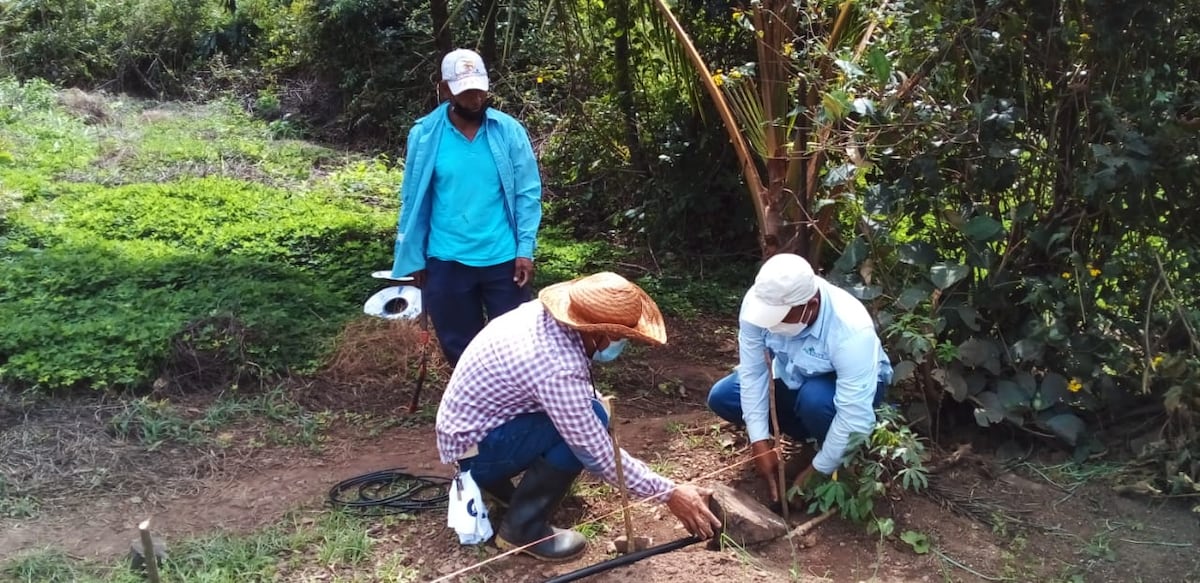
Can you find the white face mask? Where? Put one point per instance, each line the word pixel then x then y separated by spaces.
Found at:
pixel 787 329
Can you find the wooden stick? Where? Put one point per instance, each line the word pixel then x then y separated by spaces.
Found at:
pixel 612 432
pixel 151 558
pixel 423 369
pixel 807 526
pixel 783 488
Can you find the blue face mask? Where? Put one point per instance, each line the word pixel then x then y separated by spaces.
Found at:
pixel 612 352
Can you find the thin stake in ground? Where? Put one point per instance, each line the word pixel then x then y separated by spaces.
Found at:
pixel 612 432
pixel 783 500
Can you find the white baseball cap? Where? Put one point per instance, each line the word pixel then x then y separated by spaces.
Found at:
pixel 463 69
pixel 784 282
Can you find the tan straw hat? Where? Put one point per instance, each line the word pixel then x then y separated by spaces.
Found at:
pixel 608 303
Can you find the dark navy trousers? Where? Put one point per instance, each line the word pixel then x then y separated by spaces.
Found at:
pixel 460 299
pixel 509 449
pixel 804 413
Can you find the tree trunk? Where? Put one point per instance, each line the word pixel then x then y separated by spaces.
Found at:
pixel 491 11
pixel 440 12
pixel 622 63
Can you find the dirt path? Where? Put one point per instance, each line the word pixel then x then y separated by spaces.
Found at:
pixel 1092 534
pixel 240 499
pixel 984 523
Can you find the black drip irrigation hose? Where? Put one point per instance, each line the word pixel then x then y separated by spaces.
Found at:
pixel 623 560
pixel 390 492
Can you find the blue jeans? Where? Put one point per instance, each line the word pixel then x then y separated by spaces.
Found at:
pixel 507 450
pixel 805 413
pixel 456 296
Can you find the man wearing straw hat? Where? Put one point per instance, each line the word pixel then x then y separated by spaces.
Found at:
pixel 829 370
pixel 522 399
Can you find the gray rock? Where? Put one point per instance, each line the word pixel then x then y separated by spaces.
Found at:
pixel 137 553
pixel 745 520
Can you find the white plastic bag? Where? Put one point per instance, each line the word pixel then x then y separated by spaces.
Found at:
pixel 466 513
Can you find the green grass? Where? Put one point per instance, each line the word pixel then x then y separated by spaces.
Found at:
pixel 326 545
pixel 153 422
pixel 119 238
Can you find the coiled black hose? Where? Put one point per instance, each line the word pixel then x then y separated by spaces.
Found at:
pixel 390 492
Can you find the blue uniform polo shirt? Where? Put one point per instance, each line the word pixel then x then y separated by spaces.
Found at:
pixel 468 221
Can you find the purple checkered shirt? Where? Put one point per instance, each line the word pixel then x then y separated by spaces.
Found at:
pixel 525 361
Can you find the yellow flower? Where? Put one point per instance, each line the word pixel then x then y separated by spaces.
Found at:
pixel 788 49
pixel 1066 275
pixel 735 74
pixel 1074 386
pixel 1085 36
pixel 1093 270
pixel 718 79
pixel 737 14
pixel 539 80
pixel 834 476
pixel 1156 361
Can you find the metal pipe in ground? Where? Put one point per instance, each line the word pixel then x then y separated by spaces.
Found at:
pixel 623 560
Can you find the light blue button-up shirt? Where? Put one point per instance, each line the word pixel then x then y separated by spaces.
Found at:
pixel 841 340
pixel 468 223
pixel 520 182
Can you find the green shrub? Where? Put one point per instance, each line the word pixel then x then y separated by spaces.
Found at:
pixel 139 44
pixel 890 458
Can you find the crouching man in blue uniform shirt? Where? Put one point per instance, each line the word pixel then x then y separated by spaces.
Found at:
pixel 830 370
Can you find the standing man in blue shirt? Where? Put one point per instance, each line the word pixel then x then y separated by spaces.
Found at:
pixel 830 370
pixel 471 205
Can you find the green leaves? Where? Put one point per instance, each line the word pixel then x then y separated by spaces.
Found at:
pixel 990 410
pixel 953 382
pixel 918 541
pixel 1053 391
pixel 1067 426
pixel 919 253
pixel 983 228
pixel 840 175
pixel 946 274
pixel 980 353
pixel 879 64
pixel 835 105
pixel 854 254
pixel 890 457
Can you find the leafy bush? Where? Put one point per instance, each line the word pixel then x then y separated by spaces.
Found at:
pixel 1027 245
pixel 139 44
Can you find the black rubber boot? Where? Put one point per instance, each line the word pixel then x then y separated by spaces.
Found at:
pixel 499 493
pixel 527 519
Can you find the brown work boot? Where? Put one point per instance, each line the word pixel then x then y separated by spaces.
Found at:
pixel 527 520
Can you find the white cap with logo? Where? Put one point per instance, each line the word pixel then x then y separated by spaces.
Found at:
pixel 783 282
pixel 462 70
